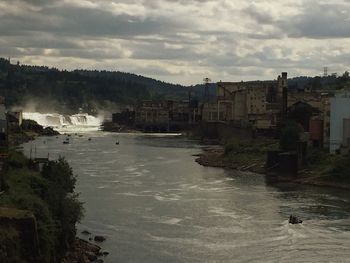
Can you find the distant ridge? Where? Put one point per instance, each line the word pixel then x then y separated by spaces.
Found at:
pixel 67 91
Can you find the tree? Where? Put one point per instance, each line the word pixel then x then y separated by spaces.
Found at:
pixel 290 136
pixel 63 202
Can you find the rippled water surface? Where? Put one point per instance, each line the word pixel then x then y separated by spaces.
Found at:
pixel 155 204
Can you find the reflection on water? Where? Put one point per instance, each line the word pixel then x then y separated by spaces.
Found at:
pixel 155 204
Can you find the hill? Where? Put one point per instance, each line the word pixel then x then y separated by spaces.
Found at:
pixel 50 89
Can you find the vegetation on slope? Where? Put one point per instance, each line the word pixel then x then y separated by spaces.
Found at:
pixel 50 196
pixel 327 168
pixel 67 91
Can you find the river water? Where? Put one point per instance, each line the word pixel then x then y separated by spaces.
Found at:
pixel 154 203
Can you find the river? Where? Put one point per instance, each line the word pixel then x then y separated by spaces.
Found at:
pixel 154 203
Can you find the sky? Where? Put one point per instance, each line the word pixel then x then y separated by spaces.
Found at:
pixel 180 41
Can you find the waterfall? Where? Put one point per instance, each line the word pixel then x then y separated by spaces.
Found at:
pixel 66 123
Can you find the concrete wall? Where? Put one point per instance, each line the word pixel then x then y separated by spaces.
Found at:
pixel 240 106
pixel 3 123
pixel 2 112
pixel 210 112
pixel 256 100
pixel 346 132
pixel 339 110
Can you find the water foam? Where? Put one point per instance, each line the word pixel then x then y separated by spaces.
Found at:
pixel 81 122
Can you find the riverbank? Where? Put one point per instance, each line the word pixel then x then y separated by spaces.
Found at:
pixel 41 204
pixel 214 156
pixel 83 251
pixel 28 131
pixel 318 174
pixel 114 127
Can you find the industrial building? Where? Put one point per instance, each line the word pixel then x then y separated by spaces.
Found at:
pixel 340 123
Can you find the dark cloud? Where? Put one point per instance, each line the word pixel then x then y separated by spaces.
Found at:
pixel 75 21
pixel 314 20
pixel 258 15
pixel 320 21
pixel 166 39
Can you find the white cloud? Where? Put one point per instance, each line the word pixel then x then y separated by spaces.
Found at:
pixel 180 41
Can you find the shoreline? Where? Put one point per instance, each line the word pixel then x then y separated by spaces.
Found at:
pixel 81 250
pixel 84 251
pixel 213 156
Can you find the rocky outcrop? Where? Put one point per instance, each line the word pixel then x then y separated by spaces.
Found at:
pixel 294 220
pixel 83 252
pixel 85 232
pixel 48 131
pixel 99 238
pixel 18 235
pixel 33 126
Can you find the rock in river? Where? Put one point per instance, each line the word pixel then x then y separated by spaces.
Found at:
pixel 85 232
pixel 294 220
pixel 99 238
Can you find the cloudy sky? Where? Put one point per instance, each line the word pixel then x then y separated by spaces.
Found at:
pixel 180 41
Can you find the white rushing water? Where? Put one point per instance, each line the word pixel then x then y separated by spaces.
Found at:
pixel 81 122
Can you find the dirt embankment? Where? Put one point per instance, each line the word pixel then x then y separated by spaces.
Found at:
pixel 214 156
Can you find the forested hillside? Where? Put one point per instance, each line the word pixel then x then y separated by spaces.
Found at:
pixel 50 89
pixel 67 91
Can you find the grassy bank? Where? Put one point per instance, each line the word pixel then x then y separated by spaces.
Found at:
pixel 239 153
pixel 322 168
pixel 325 169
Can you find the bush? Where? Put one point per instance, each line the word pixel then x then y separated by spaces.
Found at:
pixel 234 145
pixel 290 136
pixel 316 156
pixel 341 168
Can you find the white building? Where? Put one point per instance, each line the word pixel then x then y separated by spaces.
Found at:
pixel 339 115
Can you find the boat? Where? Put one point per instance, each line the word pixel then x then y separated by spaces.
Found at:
pixel 65 142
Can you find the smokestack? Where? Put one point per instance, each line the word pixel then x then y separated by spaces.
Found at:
pixel 284 95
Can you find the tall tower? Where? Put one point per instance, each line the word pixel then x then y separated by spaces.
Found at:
pixel 283 88
pixel 206 95
pixel 325 72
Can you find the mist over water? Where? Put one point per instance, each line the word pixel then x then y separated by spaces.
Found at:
pixel 81 122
